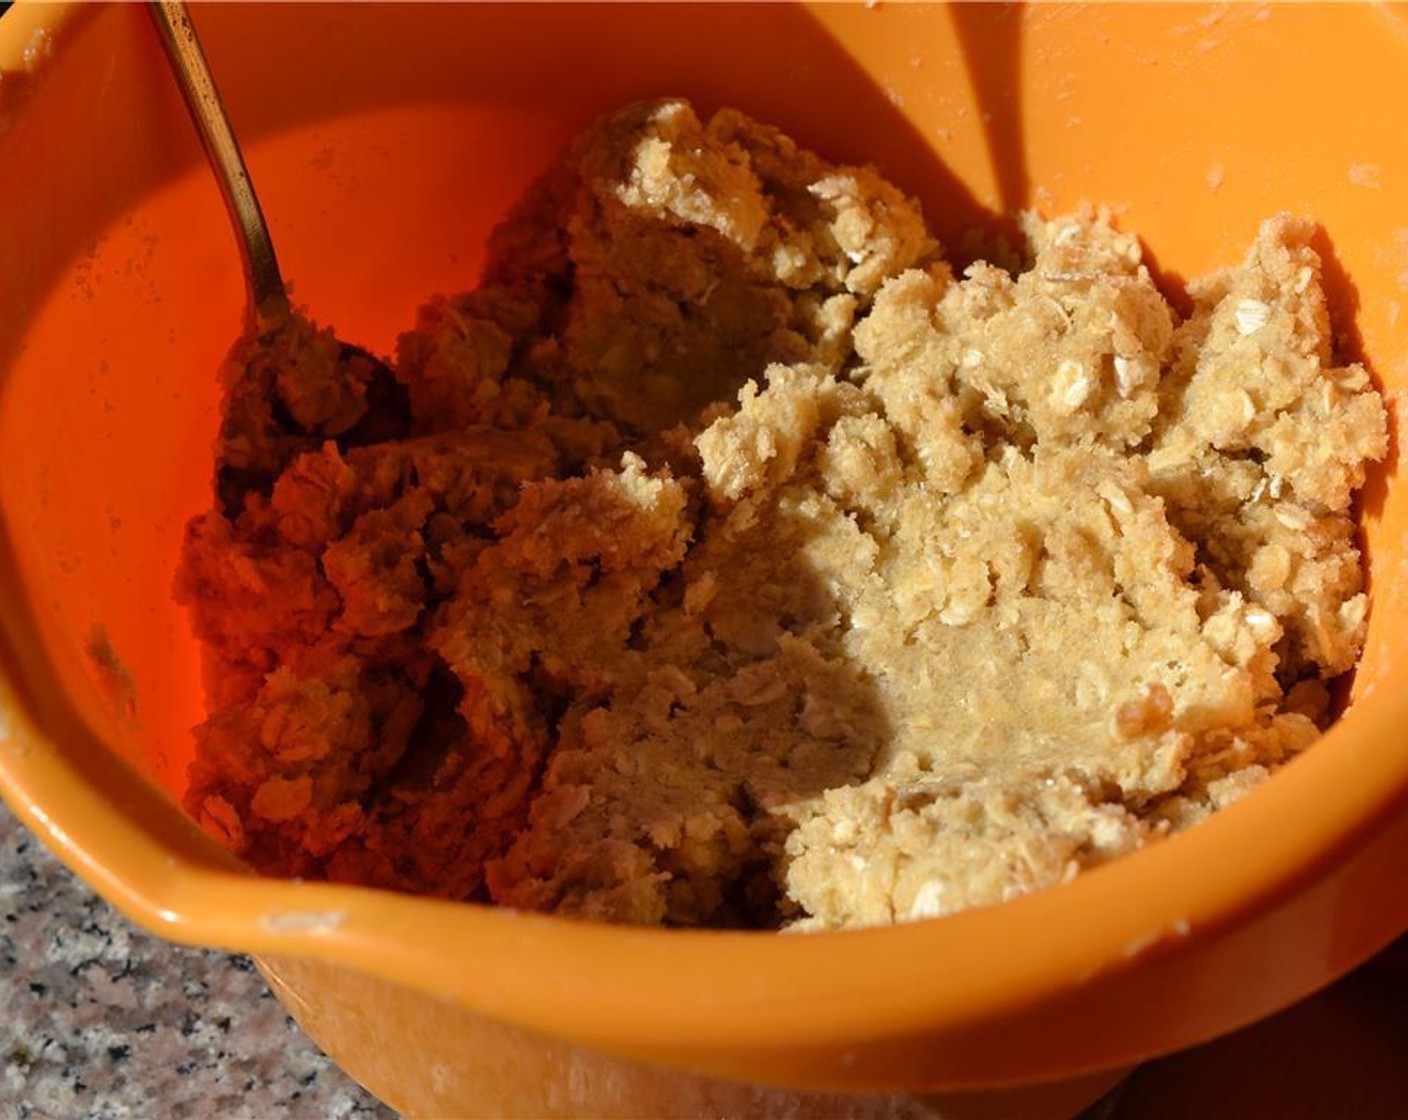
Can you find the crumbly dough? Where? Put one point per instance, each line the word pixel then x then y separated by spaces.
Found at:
pixel 724 558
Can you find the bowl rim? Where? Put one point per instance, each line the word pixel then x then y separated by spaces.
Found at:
pixel 829 992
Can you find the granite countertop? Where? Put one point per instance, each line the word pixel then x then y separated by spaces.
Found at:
pixel 101 1020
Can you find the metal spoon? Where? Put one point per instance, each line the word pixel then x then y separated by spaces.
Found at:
pixel 387 412
pixel 183 50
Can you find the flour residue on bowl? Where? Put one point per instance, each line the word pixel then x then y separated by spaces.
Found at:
pixel 303 921
pixel 39 49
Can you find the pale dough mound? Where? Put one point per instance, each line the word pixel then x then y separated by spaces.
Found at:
pixel 724 559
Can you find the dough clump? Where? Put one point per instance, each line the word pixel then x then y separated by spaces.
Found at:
pixel 724 558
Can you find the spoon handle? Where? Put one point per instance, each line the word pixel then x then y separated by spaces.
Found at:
pixel 222 150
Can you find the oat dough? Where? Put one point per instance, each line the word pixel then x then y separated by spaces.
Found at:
pixel 725 558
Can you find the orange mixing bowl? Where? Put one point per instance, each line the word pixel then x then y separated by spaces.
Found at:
pixel 386 141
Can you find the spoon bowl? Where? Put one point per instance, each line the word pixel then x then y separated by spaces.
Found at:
pixel 276 332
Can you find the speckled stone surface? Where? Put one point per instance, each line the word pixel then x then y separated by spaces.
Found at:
pixel 99 1020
